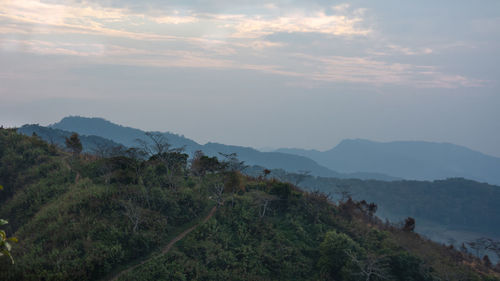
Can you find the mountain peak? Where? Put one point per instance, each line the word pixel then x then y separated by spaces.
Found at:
pixel 79 120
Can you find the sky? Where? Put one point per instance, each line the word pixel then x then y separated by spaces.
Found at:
pixel 265 74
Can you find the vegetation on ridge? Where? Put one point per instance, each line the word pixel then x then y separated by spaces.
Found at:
pixel 83 217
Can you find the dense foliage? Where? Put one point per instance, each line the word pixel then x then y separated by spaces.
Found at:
pixel 83 217
pixel 456 204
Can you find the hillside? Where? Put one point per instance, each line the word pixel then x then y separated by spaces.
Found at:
pixel 82 217
pixel 442 217
pixel 407 159
pixel 454 210
pixel 454 204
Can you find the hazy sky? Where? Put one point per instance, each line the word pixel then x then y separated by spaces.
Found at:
pixel 259 73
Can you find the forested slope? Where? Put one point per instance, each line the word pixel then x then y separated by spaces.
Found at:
pixel 82 217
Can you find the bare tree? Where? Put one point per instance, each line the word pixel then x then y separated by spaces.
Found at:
pixel 159 148
pixel 133 213
pixel 263 201
pixel 371 266
pixel 217 191
pixel 483 245
pixel 343 192
pixel 262 212
pixel 233 163
pixel 101 150
pixel 157 144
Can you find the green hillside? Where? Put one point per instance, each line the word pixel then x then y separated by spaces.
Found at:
pixel 455 204
pixel 82 217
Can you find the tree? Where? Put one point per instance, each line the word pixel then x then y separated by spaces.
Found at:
pixel 5 246
pixel 217 191
pixel 233 168
pixel 409 225
pixel 133 213
pixel 405 266
pixel 202 164
pixel 333 254
pixel 371 266
pixel 157 144
pixel 482 245
pixel 136 157
pixel 487 261
pixel 73 144
pixel 266 172
pixel 281 189
pixel 233 184
pixel 372 209
pixel 232 163
pixel 343 192
pixel 263 201
pixel 158 149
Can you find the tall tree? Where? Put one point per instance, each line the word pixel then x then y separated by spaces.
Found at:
pixel 159 149
pixel 73 144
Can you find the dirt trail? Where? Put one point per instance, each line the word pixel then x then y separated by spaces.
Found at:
pixel 168 247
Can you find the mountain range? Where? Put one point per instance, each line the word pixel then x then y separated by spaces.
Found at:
pixel 415 160
pixel 102 131
pixel 352 158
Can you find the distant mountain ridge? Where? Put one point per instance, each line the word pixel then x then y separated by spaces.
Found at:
pixel 417 160
pixel 127 136
pixel 90 144
pixel 352 158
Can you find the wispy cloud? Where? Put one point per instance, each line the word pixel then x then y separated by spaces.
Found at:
pixel 54 48
pixel 215 40
pixel 370 71
pixel 409 51
pixel 342 24
pixel 91 18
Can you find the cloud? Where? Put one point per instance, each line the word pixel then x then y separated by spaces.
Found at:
pixel 409 51
pixel 84 17
pixel 174 37
pixel 175 19
pixel 375 72
pixel 54 48
pixel 344 23
pixel 57 14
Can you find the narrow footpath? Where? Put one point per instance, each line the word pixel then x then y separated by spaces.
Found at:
pixel 168 247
